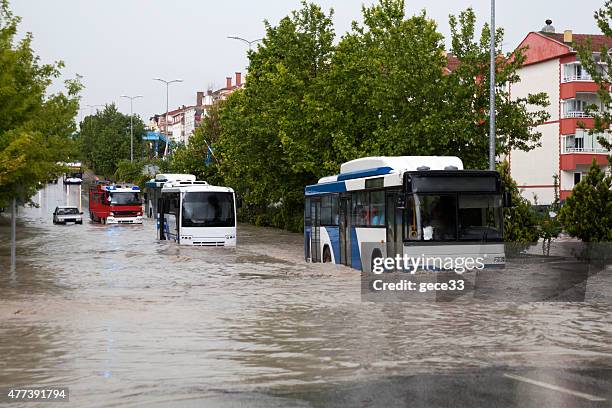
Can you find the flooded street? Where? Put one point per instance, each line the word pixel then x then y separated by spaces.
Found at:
pixel 122 319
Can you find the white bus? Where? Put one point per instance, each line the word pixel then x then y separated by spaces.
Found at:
pixel 153 187
pixel 409 205
pixel 196 213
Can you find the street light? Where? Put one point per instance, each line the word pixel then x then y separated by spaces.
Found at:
pixel 247 42
pixel 131 98
pixel 166 121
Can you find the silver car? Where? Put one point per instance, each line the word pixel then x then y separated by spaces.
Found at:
pixel 65 214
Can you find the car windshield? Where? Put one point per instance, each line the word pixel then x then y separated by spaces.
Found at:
pixel 480 217
pixel 202 209
pixel 125 199
pixel 67 211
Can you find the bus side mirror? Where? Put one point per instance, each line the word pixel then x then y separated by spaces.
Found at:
pixel 507 199
pixel 238 202
pixel 401 202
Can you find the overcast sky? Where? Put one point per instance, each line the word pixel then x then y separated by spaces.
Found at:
pixel 118 46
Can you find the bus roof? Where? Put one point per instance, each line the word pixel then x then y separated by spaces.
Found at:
pixel 194 187
pixel 353 173
pixel 175 177
pixel 402 163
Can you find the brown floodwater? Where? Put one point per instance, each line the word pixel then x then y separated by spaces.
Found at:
pixel 122 319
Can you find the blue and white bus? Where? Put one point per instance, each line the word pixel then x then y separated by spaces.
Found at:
pixel 409 205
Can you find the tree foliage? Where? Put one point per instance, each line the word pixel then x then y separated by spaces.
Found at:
pixel 383 89
pixel 104 140
pixel 35 128
pixel 520 222
pixel 587 213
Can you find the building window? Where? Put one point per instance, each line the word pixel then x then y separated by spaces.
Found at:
pixel 577 178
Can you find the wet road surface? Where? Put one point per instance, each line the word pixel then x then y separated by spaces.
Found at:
pixel 124 320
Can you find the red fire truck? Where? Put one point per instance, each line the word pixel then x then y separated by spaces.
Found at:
pixel 115 204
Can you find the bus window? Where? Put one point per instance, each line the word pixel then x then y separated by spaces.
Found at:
pixel 360 210
pixel 377 208
pixel 307 221
pixel 329 210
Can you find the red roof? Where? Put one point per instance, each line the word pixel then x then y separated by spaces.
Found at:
pixel 597 40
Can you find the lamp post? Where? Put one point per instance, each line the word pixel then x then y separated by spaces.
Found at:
pixel 492 91
pixel 244 40
pixel 131 98
pixel 166 121
pixel 247 42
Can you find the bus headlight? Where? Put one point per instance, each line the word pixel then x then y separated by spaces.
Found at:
pixel 229 236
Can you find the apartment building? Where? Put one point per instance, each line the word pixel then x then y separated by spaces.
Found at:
pixel 552 66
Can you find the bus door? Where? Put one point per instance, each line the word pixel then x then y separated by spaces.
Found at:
pixel 394 225
pixel 315 234
pixel 344 208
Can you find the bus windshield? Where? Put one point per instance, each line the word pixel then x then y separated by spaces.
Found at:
pixel 203 209
pixel 451 217
pixel 125 199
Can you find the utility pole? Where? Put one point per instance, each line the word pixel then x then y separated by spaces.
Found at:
pixel 167 106
pixel 492 91
pixel 131 98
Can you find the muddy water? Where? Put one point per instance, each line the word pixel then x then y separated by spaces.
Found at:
pixel 123 319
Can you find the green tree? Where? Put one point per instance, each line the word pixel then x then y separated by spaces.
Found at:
pixel 549 224
pixel 384 92
pixel 309 106
pixel 267 150
pixel 199 157
pixel 35 128
pixel 104 140
pixel 466 119
pixel 520 221
pixel 587 213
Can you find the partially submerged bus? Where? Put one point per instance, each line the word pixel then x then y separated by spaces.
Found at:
pixel 196 213
pixel 115 203
pixel 410 205
pixel 153 187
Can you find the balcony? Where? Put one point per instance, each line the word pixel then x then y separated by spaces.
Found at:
pixel 577 77
pixel 575 114
pixel 582 142
pixel 576 107
pixel 574 72
pixel 581 148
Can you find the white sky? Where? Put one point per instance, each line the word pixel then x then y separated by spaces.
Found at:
pixel 118 46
